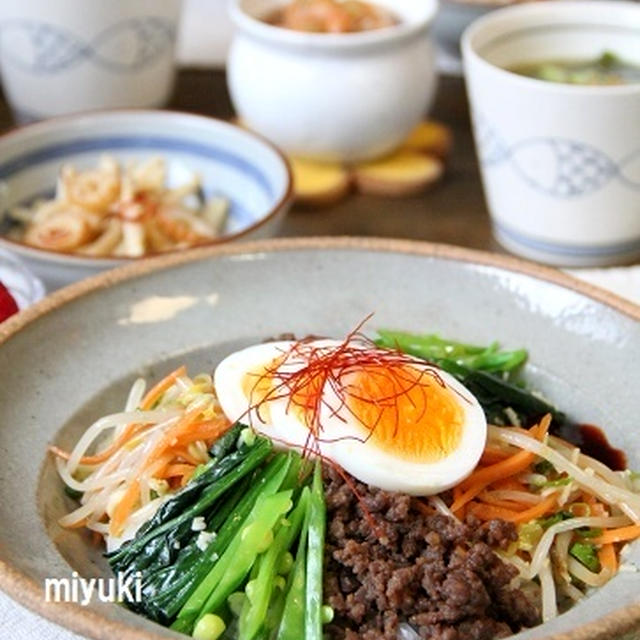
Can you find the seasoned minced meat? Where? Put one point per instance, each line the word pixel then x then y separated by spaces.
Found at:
pixel 441 577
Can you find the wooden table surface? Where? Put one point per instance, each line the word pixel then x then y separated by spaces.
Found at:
pixel 453 211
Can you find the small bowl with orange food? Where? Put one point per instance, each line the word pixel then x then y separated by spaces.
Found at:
pixel 84 193
pixel 332 80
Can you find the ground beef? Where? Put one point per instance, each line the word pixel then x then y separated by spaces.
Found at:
pixel 440 576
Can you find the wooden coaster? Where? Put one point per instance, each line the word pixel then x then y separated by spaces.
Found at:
pixel 403 173
pixel 416 166
pixel 319 184
pixel 430 137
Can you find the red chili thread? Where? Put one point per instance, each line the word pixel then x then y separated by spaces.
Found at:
pixel 328 368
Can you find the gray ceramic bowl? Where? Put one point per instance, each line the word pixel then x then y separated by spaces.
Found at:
pixel 70 359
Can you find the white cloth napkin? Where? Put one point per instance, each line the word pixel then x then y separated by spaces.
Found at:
pixel 625 281
pixel 18 623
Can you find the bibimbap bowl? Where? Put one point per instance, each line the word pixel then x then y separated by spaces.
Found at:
pixel 149 317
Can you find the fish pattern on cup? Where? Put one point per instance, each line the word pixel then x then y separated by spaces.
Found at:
pixel 44 48
pixel 558 167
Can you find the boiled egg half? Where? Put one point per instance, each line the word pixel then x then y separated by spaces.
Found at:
pixel 390 420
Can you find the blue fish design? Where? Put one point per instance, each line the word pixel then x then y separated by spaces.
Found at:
pixel 44 48
pixel 557 167
pixel 40 47
pixel 491 148
pixel 630 170
pixel 133 44
pixel 562 168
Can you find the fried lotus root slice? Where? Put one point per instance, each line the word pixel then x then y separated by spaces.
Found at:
pixel 177 227
pixel 403 173
pixel 64 231
pixel 430 137
pixel 106 242
pixel 93 189
pixel 317 184
pixel 157 240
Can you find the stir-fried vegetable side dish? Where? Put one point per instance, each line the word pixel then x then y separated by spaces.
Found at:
pixel 275 499
pixel 114 210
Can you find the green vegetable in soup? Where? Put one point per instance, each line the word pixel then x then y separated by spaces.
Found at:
pixel 608 69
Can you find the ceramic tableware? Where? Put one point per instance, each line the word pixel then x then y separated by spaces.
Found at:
pixel 560 163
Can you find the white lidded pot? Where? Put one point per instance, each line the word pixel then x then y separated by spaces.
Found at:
pixel 332 96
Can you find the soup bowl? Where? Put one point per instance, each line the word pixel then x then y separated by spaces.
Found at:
pixel 560 163
pixel 346 96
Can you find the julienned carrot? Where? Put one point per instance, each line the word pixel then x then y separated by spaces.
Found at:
pixel 482 478
pixel 171 435
pixel 543 427
pixel 491 512
pixel 124 508
pixel 210 430
pixel 492 455
pixel 167 449
pixel 538 510
pixel 608 558
pixel 128 501
pixel 597 508
pixel 131 495
pixel 487 498
pixel 184 455
pixel 623 534
pixel 515 464
pixel 509 484
pixel 158 389
pixel 131 429
pixel 517 461
pixel 176 469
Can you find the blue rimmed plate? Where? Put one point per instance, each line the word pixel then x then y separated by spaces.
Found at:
pixel 232 162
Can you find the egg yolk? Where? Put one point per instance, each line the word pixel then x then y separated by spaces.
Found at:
pixel 258 388
pixel 402 410
pixel 407 412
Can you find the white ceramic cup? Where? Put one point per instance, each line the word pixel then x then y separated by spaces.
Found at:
pixel 560 163
pixel 64 56
pixel 327 96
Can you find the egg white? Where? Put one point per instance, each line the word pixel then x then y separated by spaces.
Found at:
pixel 229 381
pixel 341 439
